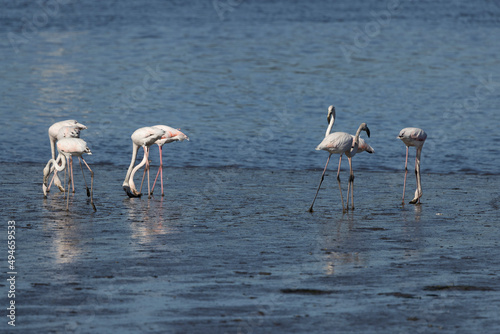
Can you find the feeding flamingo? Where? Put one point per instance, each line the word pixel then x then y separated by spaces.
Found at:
pixel 53 132
pixel 170 135
pixel 142 137
pixel 68 147
pixel 413 137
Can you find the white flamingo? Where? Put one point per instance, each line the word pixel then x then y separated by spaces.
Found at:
pixel 142 137
pixel 53 132
pixel 342 143
pixel 67 148
pixel 413 137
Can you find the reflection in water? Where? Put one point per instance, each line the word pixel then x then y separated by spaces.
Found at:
pixel 337 237
pixel 147 220
pixel 67 236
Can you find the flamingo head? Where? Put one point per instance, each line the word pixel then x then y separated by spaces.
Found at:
pixel 331 113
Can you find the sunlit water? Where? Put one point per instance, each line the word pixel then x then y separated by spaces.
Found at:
pixel 250 82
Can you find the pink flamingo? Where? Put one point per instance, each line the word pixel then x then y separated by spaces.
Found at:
pixel 67 148
pixel 170 135
pixel 413 137
pixel 341 143
pixel 143 137
pixel 53 132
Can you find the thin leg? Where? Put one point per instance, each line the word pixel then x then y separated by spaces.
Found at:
pixel 72 176
pixel 406 173
pixel 161 172
pixel 67 198
pixel 91 185
pixel 86 186
pixel 341 196
pixel 321 181
pixel 143 175
pixel 351 182
pixel 418 192
pixel 147 167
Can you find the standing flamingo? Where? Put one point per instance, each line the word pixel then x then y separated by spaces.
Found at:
pixel 331 120
pixel 169 136
pixel 142 137
pixel 67 148
pixel 342 143
pixel 413 137
pixel 53 132
pixel 363 146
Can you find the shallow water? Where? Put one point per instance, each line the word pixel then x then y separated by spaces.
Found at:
pixel 235 250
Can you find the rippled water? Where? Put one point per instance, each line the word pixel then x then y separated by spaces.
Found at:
pixel 250 81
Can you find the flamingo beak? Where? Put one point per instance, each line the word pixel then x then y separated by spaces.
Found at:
pixel 368 132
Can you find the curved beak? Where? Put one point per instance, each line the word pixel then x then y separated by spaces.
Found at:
pixel 368 132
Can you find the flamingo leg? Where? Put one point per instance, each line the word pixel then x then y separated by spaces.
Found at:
pixel 160 172
pixel 321 181
pixel 154 183
pixel 147 167
pixel 91 185
pixel 86 186
pixel 351 183
pixel 143 175
pixel 418 192
pixel 340 188
pixel 72 176
pixel 406 173
pixel 67 198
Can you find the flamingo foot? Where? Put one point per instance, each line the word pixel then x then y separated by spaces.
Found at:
pixel 132 193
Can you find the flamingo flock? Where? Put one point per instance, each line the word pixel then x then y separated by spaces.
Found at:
pixel 65 137
pixel 344 143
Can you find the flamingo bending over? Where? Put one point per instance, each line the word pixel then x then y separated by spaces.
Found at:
pixel 142 137
pixel 413 137
pixel 170 135
pixel 67 148
pixel 53 133
pixel 342 143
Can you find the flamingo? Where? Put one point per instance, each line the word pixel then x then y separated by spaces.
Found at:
pixel 68 147
pixel 342 143
pixel 53 132
pixel 72 132
pixel 413 137
pixel 142 137
pixel 170 135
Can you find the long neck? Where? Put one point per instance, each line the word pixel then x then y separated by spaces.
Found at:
pixel 355 145
pixel 135 148
pixel 329 129
pixel 55 163
pixel 53 147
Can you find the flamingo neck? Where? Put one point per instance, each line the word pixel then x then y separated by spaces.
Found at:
pixel 135 148
pixel 329 129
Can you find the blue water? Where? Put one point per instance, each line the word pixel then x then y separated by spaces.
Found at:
pixel 250 81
